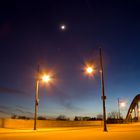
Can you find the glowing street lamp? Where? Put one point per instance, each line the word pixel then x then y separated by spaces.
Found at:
pixel 90 70
pixel 44 78
pixel 120 104
pixel 103 97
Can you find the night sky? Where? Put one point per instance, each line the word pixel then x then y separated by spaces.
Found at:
pixel 30 34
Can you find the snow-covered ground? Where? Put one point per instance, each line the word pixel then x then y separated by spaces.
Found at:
pixel 115 132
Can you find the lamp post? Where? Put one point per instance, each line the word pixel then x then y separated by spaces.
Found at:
pixel 120 104
pixel 103 97
pixel 36 103
pixel 45 78
pixel 90 70
pixel 118 108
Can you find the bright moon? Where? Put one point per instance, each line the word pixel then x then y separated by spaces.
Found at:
pixel 63 27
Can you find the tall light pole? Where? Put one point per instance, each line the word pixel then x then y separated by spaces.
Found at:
pixel 36 97
pixel 36 102
pixel 90 70
pixel 118 108
pixel 45 78
pixel 103 97
pixel 120 104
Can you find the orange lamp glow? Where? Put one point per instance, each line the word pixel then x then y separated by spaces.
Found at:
pixel 89 70
pixel 46 78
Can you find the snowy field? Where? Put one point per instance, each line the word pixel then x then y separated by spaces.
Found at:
pixel 115 132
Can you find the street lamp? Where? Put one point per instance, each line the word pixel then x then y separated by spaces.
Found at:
pixel 44 78
pixel 103 97
pixel 90 70
pixel 120 104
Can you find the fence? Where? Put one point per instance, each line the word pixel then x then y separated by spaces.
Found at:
pixel 21 124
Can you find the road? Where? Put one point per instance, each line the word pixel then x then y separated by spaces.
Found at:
pixel 115 132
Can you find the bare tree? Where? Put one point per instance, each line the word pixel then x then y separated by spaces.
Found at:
pixel 113 115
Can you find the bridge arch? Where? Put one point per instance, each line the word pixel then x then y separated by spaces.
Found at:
pixel 134 108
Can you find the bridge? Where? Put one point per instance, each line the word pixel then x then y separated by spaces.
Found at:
pixel 133 113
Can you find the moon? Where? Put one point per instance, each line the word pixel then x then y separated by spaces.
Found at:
pixel 63 27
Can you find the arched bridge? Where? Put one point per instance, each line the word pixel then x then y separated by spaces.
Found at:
pixel 133 113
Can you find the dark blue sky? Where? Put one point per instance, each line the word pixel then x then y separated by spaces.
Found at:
pixel 30 35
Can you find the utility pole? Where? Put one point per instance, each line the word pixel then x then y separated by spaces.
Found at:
pixel 103 97
pixel 118 108
pixel 36 98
